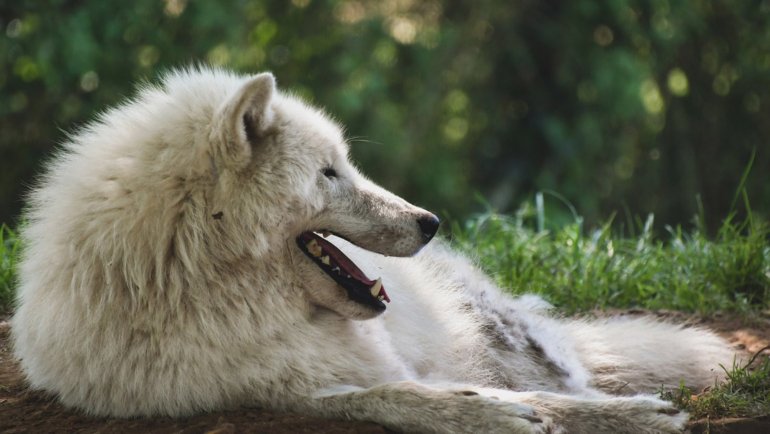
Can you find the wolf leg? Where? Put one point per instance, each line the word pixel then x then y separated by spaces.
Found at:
pixel 412 407
pixel 576 414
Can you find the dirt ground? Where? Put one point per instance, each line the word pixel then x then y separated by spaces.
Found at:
pixel 24 411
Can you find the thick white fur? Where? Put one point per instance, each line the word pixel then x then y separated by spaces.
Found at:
pixel 161 277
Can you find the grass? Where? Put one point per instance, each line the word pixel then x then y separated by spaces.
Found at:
pixel 745 393
pixel 578 269
pixel 9 250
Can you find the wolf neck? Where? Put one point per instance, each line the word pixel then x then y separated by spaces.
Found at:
pixel 233 292
pixel 181 270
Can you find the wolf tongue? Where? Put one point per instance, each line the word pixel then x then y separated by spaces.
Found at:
pixel 342 261
pixel 328 254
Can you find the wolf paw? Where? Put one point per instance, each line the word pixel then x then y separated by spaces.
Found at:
pixel 498 416
pixel 651 414
pixel 637 414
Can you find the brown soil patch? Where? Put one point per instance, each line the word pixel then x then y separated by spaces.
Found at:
pixel 23 411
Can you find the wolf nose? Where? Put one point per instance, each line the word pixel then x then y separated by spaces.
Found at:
pixel 428 226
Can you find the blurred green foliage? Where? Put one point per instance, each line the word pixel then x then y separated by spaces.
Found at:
pixel 620 104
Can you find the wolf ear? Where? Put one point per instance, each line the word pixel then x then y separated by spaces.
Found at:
pixel 245 118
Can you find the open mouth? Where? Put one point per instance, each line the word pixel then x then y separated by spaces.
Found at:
pixel 339 267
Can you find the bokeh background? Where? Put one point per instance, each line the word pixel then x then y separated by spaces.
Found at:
pixel 616 105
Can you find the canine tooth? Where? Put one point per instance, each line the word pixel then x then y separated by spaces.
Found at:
pixel 325 259
pixel 381 297
pixel 375 289
pixel 336 269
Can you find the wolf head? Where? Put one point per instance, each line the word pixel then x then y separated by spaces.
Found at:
pixel 213 171
pixel 277 154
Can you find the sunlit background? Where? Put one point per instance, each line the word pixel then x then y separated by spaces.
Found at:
pixel 626 107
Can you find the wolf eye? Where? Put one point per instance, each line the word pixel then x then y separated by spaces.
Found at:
pixel 329 172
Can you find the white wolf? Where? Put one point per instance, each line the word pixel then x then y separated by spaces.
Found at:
pixel 177 262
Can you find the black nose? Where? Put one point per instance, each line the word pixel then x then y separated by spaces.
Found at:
pixel 428 226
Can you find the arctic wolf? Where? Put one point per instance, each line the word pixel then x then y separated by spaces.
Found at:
pixel 209 245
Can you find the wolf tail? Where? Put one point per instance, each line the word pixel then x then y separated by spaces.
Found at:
pixel 633 355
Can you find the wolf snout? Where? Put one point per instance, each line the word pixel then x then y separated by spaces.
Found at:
pixel 428 226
